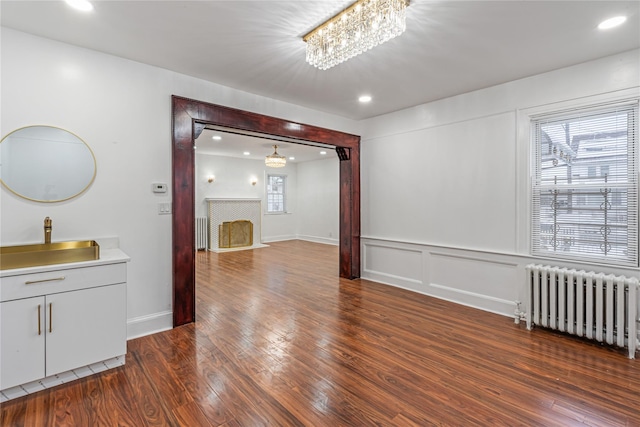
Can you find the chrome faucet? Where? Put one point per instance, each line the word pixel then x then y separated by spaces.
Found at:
pixel 47 230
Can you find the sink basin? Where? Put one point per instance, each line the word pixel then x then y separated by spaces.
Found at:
pixel 48 254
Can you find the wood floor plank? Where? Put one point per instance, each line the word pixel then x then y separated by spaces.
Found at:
pixel 190 414
pixel 150 406
pixel 38 407
pixel 281 340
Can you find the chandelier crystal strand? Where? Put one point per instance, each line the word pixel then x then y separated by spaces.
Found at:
pixel 275 160
pixel 362 26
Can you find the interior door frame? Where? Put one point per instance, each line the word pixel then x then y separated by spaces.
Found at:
pixel 189 117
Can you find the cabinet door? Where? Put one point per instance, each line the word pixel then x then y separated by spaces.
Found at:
pixel 21 341
pixel 85 326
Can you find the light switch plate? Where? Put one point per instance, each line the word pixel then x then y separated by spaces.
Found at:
pixel 164 208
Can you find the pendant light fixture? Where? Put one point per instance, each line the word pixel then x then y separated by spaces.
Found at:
pixel 275 160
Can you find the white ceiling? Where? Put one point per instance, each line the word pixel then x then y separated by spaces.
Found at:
pixel 235 145
pixel 450 47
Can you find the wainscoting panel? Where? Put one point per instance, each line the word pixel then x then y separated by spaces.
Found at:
pixel 397 265
pixel 471 280
pixel 484 280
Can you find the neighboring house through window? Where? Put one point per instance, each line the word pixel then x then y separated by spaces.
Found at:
pixel 585 185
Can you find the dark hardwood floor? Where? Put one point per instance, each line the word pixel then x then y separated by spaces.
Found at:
pixel 280 340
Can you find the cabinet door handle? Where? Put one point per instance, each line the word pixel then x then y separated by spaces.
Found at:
pixel 29 282
pixel 50 316
pixel 39 321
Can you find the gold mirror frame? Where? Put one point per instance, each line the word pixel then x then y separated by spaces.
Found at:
pixel 46 158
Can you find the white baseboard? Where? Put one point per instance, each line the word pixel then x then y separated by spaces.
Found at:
pixel 473 299
pixel 242 248
pixel 469 299
pixel 393 280
pixel 149 324
pixel 315 239
pixel 267 239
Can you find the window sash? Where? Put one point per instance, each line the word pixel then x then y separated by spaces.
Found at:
pixel 585 185
pixel 276 193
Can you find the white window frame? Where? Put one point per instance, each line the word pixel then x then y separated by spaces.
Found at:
pixel 269 193
pixel 536 187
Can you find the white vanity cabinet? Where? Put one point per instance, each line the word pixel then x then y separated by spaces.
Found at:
pixel 90 321
pixel 60 319
pixel 22 341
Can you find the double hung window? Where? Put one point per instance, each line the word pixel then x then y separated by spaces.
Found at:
pixel 585 185
pixel 276 194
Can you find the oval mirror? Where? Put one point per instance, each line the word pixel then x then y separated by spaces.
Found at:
pixel 46 163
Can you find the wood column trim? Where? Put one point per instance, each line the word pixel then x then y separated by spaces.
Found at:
pixel 190 116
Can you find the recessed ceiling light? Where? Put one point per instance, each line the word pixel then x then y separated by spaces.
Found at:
pixel 216 137
pixel 365 98
pixel 82 5
pixel 612 22
pixel 246 153
pixel 324 153
pixel 292 158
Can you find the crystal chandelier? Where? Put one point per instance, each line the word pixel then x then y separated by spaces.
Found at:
pixel 275 160
pixel 358 28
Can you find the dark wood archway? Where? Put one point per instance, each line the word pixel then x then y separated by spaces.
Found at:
pixel 189 117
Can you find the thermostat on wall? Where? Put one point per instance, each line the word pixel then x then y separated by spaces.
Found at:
pixel 159 188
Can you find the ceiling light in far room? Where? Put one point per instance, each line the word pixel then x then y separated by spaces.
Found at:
pixel 365 98
pixel 358 28
pixel 275 160
pixel 612 22
pixel 246 153
pixel 292 158
pixel 82 5
pixel 323 153
pixel 216 137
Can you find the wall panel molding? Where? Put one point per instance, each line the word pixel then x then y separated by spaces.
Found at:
pixel 470 258
pixel 393 264
pixel 486 280
pixel 473 299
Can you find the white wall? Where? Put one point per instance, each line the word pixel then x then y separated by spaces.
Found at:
pixel 445 185
pixel 122 110
pixel 319 201
pixel 312 194
pixel 463 238
pixel 233 181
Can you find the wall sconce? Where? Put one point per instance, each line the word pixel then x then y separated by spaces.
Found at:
pixel 211 178
pixel 254 181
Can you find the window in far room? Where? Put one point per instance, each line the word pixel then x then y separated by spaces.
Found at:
pixel 585 185
pixel 276 194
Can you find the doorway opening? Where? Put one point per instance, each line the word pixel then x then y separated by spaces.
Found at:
pixel 189 118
